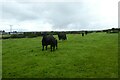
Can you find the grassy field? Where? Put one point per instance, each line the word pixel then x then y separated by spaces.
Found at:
pixel 0 58
pixel 91 56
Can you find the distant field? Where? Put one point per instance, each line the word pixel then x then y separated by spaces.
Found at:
pixel 91 56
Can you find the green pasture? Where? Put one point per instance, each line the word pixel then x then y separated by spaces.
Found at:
pixel 92 56
pixel 0 58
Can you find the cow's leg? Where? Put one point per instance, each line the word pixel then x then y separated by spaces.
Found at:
pixel 54 48
pixel 51 47
pixel 46 47
pixel 65 38
pixel 42 47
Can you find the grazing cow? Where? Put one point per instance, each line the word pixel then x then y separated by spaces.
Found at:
pixel 62 36
pixel 49 40
pixel 82 34
pixel 86 32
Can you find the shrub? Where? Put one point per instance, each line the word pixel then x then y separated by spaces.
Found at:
pixel 17 36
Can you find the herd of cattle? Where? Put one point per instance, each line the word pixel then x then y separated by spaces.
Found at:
pixel 52 41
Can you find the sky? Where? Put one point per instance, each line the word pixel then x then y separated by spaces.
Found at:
pixel 58 15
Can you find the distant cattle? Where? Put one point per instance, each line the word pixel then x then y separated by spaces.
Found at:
pixel 62 36
pixel 86 32
pixel 49 40
pixel 82 34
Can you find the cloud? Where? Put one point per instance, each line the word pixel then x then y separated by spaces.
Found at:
pixel 17 11
pixel 35 15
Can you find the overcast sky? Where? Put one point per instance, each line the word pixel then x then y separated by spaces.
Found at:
pixel 41 15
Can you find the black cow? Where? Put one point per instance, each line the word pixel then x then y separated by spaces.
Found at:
pixel 62 36
pixel 49 40
pixel 86 32
pixel 82 34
